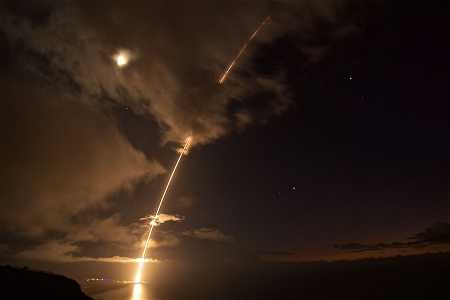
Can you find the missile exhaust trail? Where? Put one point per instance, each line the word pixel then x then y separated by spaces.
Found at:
pixel 224 76
pixel 184 151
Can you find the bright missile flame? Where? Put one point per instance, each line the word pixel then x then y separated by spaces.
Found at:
pixel 152 224
pixel 224 76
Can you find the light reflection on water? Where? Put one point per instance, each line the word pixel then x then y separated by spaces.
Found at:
pixel 135 291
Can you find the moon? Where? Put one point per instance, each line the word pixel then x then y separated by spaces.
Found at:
pixel 122 58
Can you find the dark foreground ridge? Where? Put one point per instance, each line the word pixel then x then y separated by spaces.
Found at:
pixel 27 284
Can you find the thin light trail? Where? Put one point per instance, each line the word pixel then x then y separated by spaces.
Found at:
pixel 184 151
pixel 224 76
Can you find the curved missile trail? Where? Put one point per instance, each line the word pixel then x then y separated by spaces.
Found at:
pixel 152 224
pixel 224 76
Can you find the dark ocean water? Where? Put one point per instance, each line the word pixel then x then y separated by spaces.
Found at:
pixel 420 277
pixel 127 292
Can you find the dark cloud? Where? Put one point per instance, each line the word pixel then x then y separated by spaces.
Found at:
pixel 437 234
pixel 211 234
pixel 283 253
pixel 179 50
pixel 109 229
pixel 61 158
pixel 63 149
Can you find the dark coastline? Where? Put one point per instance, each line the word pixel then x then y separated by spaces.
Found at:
pixel 23 283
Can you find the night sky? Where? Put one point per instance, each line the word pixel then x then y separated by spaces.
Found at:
pixel 328 141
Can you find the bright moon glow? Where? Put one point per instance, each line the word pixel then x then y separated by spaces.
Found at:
pixel 122 58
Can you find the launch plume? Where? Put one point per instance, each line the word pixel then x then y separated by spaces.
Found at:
pixel 224 76
pixel 154 219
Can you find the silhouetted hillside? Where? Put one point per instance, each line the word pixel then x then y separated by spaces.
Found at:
pixel 26 284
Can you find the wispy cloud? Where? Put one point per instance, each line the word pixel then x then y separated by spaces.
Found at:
pixel 66 252
pixel 211 234
pixel 437 234
pixel 164 218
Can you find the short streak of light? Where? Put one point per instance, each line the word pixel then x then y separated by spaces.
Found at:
pixel 185 149
pixel 242 50
pixel 152 224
